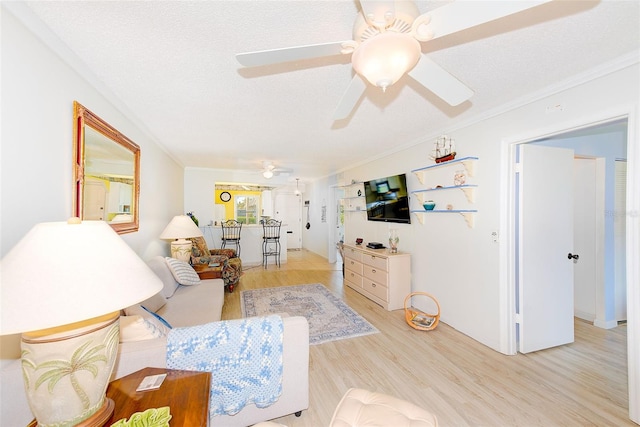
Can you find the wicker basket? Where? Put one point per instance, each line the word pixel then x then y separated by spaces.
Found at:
pixel 420 320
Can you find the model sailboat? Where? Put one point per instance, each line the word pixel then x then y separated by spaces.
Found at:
pixel 444 149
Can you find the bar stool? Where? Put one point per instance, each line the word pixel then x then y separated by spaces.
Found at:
pixel 271 241
pixel 231 230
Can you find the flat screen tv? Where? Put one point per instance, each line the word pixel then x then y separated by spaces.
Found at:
pixel 387 199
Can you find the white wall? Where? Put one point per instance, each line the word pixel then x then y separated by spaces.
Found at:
pixel 460 265
pixel 38 90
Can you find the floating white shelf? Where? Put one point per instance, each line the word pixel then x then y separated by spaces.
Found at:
pixel 350 192
pixel 351 185
pixel 466 213
pixel 467 189
pixel 467 162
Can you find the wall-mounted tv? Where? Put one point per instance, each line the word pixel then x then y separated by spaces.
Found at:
pixel 388 199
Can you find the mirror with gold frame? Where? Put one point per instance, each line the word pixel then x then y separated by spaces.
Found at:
pixel 106 172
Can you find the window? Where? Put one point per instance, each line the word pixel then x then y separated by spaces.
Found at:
pixel 247 209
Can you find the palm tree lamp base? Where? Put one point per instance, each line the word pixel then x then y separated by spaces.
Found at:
pixel 181 249
pixel 67 370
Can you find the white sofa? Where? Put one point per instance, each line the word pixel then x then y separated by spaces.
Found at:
pixel 184 306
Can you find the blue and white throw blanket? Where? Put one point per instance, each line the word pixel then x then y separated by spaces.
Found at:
pixel 244 357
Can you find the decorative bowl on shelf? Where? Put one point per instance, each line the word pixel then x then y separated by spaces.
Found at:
pixel 429 205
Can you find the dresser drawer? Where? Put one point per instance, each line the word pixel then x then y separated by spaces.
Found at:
pixel 376 274
pixel 379 275
pixel 376 289
pixel 353 254
pixel 354 266
pixel 353 279
pixel 375 261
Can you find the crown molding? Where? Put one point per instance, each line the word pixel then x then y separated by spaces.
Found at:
pixel 620 63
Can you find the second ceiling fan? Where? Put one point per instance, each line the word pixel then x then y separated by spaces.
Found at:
pixel 269 170
pixel 386 46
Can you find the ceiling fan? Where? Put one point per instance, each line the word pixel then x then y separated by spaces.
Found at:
pixel 269 170
pixel 386 46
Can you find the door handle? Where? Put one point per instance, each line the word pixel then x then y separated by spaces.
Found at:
pixel 570 256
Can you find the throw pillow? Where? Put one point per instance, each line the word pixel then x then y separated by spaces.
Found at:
pixel 159 266
pixel 158 317
pixel 183 272
pixel 155 318
pixel 137 328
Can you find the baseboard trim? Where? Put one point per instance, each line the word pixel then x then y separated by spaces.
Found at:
pixel 589 317
pixel 609 324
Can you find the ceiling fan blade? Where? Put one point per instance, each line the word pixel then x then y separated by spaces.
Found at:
pixel 282 170
pixel 275 56
pixel 458 16
pixel 440 81
pixel 350 98
pixel 378 12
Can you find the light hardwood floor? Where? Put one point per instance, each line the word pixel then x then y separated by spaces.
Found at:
pixel 461 381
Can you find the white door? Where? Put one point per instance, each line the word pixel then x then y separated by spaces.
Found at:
pixel 95 201
pixel 289 209
pixel 545 273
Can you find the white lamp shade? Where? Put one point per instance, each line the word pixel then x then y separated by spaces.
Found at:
pixel 61 273
pixel 181 227
pixel 385 58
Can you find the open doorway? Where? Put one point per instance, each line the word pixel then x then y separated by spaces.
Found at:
pixel 598 221
pixel 336 221
pixel 509 231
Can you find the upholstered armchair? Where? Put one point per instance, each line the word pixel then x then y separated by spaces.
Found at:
pixel 230 265
pixel 228 252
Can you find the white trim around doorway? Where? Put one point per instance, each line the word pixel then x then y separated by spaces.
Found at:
pixel 508 342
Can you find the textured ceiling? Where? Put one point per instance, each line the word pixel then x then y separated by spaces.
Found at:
pixel 172 64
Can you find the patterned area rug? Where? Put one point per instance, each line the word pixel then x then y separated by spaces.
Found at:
pixel 330 319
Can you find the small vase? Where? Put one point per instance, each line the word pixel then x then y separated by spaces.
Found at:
pixel 393 240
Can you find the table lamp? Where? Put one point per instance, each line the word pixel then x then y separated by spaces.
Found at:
pixel 63 286
pixel 180 229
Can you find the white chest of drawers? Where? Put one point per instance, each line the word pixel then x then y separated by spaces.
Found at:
pixel 383 277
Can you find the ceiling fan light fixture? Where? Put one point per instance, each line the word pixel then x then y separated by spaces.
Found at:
pixel 421 29
pixel 267 169
pixel 385 58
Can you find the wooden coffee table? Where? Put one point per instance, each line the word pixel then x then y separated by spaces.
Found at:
pixel 186 393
